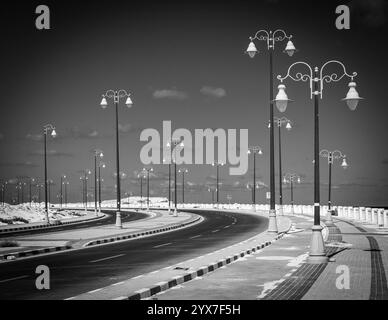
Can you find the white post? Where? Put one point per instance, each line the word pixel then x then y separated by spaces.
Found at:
pixel 368 214
pixel 380 217
pixel 374 216
pixel 356 213
pixel 385 218
pixel 350 213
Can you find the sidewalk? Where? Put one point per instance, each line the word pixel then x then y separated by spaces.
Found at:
pixel 280 272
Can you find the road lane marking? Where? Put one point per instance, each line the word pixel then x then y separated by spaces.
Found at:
pixel 162 245
pixel 196 236
pixel 11 279
pixel 226 227
pixel 215 230
pixel 71 298
pixel 120 298
pixel 107 258
pixel 118 283
pixel 93 291
pixel 138 277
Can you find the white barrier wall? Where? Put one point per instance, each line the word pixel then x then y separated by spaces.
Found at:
pixel 356 213
pixel 380 217
pixel 385 218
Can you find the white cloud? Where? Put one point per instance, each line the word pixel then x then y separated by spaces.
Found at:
pixel 213 92
pixel 169 94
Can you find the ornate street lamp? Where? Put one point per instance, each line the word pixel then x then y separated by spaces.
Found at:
pixel 178 146
pixel 291 178
pixel 84 179
pixel 147 172
pixel 254 150
pixel 63 177
pixel 183 171
pixel 98 154
pixel 217 165
pixel 331 156
pixel 271 38
pixel 117 96
pixel 101 165
pixel 46 130
pixel 316 79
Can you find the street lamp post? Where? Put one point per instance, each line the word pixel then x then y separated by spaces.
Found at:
pixel 177 145
pixel 84 179
pixel 141 176
pixel 271 38
pixel 147 171
pixel 46 129
pixel 100 165
pixel 116 96
pixel 291 178
pixel 66 183
pixel 31 181
pixel 217 165
pixel 61 193
pixel 98 154
pixel 254 150
pixel 183 171
pixel 316 79
pixel 331 156
pixel 287 123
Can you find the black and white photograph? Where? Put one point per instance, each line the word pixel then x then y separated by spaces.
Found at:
pixel 196 157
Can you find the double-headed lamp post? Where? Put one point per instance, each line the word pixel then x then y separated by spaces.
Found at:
pixel 178 146
pixel 46 130
pixel 141 177
pixel 183 171
pixel 98 154
pixel 169 147
pixel 331 156
pixel 147 172
pixel 316 79
pixel 84 179
pixel 288 125
pixel 66 184
pixel 100 181
pixel 63 177
pixel 254 150
pixel 117 96
pixel 218 164
pixel 271 38
pixel 291 178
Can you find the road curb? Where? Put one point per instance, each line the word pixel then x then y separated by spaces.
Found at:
pixel 48 226
pixel 22 254
pixel 140 234
pixel 163 286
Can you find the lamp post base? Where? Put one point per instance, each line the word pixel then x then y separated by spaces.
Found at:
pixel 118 220
pixel 273 225
pixel 281 210
pixel 329 219
pixel 175 213
pixel 317 252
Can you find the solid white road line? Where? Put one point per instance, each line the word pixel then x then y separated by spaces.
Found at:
pixel 11 279
pixel 226 227
pixel 215 231
pixel 118 283
pixel 162 245
pixel 107 258
pixel 93 291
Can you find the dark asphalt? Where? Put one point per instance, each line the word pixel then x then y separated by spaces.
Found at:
pixel 111 219
pixel 77 272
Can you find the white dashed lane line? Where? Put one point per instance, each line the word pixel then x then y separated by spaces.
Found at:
pixel 215 231
pixel 197 236
pixel 107 258
pixel 15 278
pixel 163 245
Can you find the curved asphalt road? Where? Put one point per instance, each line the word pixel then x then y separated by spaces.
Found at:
pixel 110 219
pixel 76 272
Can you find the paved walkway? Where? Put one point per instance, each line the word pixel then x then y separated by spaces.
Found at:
pixel 280 271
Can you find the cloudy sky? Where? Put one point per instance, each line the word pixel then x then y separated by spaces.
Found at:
pixel 185 62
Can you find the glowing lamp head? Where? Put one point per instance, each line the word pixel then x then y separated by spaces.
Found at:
pixel 290 48
pixel 298 180
pixel 352 97
pixel 284 180
pixel 53 133
pixel 344 164
pixel 260 152
pixel 103 103
pixel 252 50
pixel 288 126
pixel 282 98
pixel 129 102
